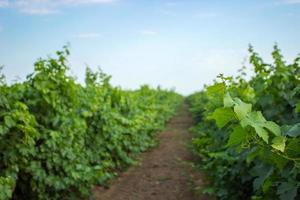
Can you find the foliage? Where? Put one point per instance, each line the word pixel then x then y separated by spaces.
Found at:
pixel 59 138
pixel 248 131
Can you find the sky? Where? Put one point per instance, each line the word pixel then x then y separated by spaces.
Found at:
pixel 180 44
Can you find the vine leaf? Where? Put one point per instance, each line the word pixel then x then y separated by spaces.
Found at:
pixel 228 101
pixel 242 109
pixel 273 127
pixel 261 132
pixel 294 131
pixel 216 90
pixel 222 116
pixel 263 172
pixel 279 143
pixel 287 190
pixel 237 136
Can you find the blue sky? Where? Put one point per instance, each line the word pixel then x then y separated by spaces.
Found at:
pixel 172 43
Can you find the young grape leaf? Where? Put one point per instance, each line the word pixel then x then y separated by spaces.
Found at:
pixel 222 116
pixel 237 136
pixel 273 127
pixel 279 143
pixel 217 89
pixel 253 119
pixel 259 123
pixel 228 101
pixel 261 132
pixel 242 109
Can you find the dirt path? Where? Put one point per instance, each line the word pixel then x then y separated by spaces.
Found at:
pixel 163 173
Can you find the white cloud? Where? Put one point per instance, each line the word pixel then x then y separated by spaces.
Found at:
pixel 172 3
pixel 206 15
pixel 77 2
pixel 38 11
pixel 167 12
pixel 4 3
pixel 46 7
pixel 290 14
pixel 169 8
pixel 148 32
pixel 87 35
pixel 291 1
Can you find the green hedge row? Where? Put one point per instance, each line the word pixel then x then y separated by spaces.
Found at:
pixel 59 138
pixel 248 131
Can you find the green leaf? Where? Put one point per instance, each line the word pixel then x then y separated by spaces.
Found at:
pixel 263 173
pixel 279 143
pixel 258 122
pixel 267 184
pixel 279 161
pixel 2 129
pixel 298 107
pixel 287 191
pixel 293 148
pixel 6 187
pixel 248 93
pixel 228 101
pixel 252 155
pixel 254 119
pixel 222 116
pixel 261 132
pixel 273 127
pixel 294 131
pixel 9 122
pixel 242 109
pixel 217 89
pixel 237 136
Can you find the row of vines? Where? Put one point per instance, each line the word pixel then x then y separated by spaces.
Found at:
pixel 247 131
pixel 58 138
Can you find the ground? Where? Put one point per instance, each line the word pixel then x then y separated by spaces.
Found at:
pixel 163 173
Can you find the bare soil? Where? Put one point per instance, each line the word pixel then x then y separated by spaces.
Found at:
pixel 164 173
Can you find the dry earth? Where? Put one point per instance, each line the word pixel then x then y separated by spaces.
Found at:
pixel 164 173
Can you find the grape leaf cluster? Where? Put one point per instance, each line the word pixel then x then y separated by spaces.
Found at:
pixel 58 138
pixel 248 131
